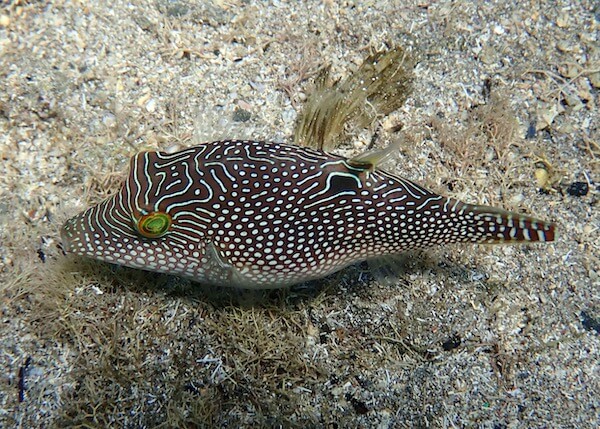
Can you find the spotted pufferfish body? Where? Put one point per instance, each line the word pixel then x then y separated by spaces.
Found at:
pixel 266 215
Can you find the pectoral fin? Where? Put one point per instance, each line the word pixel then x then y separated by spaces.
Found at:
pixel 220 271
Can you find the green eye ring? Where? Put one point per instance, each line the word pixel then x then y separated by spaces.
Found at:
pixel 153 225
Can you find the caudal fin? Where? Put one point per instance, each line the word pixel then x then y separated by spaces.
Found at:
pixel 493 225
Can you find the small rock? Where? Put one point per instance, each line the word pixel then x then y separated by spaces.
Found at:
pixel 488 55
pixel 4 20
pixel 288 115
pixel 498 29
pixel 151 105
pixel 241 115
pixel 244 105
pixel 574 102
pixel 143 99
pixel 546 116
pixel 566 128
pixel 586 98
pixel 570 70
pixel 563 20
pixel 531 130
pixel 143 22
pixel 595 79
pixel 176 8
pixel 259 87
pixel 578 189
pixel 542 176
pixel 564 46
pixel 589 322
pixel 451 343
pixel 109 120
pixel 517 199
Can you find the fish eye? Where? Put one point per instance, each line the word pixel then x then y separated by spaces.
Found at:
pixel 153 225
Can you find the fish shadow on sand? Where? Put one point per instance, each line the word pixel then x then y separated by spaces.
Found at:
pixel 357 280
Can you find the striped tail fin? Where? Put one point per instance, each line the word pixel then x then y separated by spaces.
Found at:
pixel 493 225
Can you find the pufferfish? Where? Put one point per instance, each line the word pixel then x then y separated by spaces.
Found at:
pixel 255 214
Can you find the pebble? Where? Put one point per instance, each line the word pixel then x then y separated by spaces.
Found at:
pixel 546 115
pixel 542 176
pixel 499 30
pixel 570 70
pixel 517 199
pixel 288 115
pixel 563 20
pixel 574 102
pixel 531 130
pixel 241 115
pixel 578 189
pixel 151 105
pixel 143 99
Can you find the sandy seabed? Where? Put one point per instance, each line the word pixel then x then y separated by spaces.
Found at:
pixel 504 112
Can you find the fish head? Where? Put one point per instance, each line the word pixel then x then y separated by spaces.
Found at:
pixel 151 222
